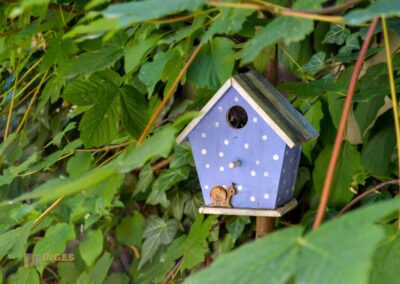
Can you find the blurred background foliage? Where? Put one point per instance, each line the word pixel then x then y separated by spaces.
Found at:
pixel 81 80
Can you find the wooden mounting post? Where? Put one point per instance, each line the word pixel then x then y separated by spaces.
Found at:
pixel 264 225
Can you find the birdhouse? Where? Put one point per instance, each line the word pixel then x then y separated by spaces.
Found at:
pixel 247 145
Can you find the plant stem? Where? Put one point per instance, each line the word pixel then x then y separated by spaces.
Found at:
pixel 342 127
pixel 394 98
pixel 366 193
pixel 168 95
pixel 47 212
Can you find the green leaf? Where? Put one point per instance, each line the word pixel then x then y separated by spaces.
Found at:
pixel 286 29
pixel 55 188
pixel 90 248
pixel 137 49
pixel 12 172
pixel 135 113
pixel 352 44
pixel 314 116
pixel 152 72
pixel 182 156
pixel 366 113
pixel 235 225
pixel 170 177
pixel 178 201
pixel 79 163
pixel 315 64
pixel 157 232
pixel 273 257
pixel 92 61
pixel 134 12
pixel 98 273
pixel 146 177
pixel 54 242
pixel 213 65
pixel 382 8
pixel 99 125
pixel 348 165
pixel 340 251
pixel 159 144
pixel 24 275
pixel 229 21
pixel 337 34
pixel 379 146
pixel 14 242
pixel 130 230
pixel 386 260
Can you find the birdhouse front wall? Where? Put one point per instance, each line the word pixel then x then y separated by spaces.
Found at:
pixel 255 148
pixel 289 174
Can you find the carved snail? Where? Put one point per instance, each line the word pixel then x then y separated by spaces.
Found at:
pixel 222 197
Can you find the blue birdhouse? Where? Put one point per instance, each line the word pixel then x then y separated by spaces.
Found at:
pixel 247 146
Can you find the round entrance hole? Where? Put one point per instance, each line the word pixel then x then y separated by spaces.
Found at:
pixel 237 117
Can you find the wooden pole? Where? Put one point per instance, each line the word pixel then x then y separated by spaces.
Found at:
pixel 264 225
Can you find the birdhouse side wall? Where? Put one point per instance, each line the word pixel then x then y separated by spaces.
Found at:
pixel 215 144
pixel 288 175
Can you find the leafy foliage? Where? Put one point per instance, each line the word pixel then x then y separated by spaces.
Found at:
pixel 88 164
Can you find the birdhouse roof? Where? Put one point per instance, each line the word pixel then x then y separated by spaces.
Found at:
pixel 268 102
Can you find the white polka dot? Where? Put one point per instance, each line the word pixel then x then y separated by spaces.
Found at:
pixel 221 154
pixel 253 173
pixel 287 191
pixel 217 124
pixel 257 162
pixel 224 186
pixel 246 146
pixel 266 196
pixel 283 171
pixel 293 188
pixel 286 152
pixel 255 119
pixel 275 157
pixel 220 108
pixel 226 142
pixel 284 181
pixel 221 169
pixel 240 188
pixel 291 160
pixel 252 198
pixel 266 173
pixel 236 99
pixel 204 135
pixel 207 166
pixel 264 137
pixel 203 151
pixel 206 186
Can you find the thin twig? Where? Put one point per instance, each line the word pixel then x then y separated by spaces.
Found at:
pixel 47 212
pixel 342 127
pixel 106 148
pixel 338 9
pixel 393 95
pixel 278 10
pixel 171 274
pixel 366 193
pixel 161 164
pixel 169 94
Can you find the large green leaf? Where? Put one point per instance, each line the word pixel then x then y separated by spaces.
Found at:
pixel 134 111
pixel 14 242
pixel 134 12
pixel 157 232
pixel 379 146
pixel 130 230
pixel 213 65
pixel 98 273
pixel 340 251
pixel 386 259
pixel 348 165
pixel 236 224
pixel 90 248
pixel 381 8
pixel 273 258
pixel 54 242
pixel 170 177
pixel 25 275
